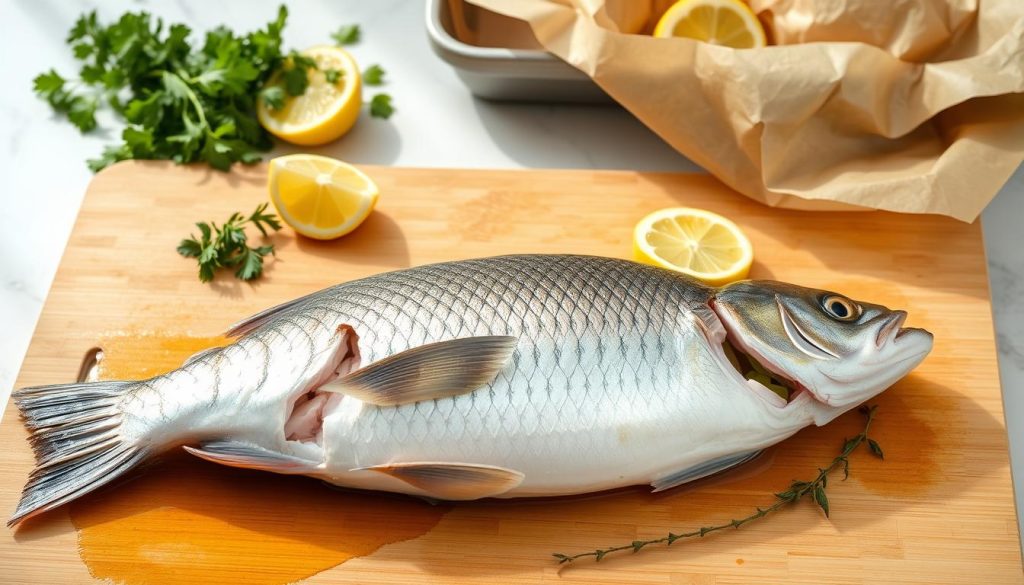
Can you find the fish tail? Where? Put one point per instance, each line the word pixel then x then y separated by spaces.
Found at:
pixel 76 435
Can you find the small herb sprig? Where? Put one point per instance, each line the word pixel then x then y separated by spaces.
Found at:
pixel 814 489
pixel 380 103
pixel 225 245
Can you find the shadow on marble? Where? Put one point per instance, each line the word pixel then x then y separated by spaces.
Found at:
pixel 370 141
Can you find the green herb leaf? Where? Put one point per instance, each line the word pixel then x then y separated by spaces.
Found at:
pixel 273 96
pixel 251 265
pixel 47 83
pixel 81 112
pixel 821 499
pixel 79 109
pixel 295 81
pixel 850 444
pixel 373 75
pixel 875 449
pixel 348 34
pixel 333 75
pixel 380 106
pixel 296 73
pixel 260 217
pixel 190 248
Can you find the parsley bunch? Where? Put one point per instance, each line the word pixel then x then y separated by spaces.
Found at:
pixel 181 102
pixel 225 246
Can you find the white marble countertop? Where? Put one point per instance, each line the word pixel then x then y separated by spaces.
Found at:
pixel 438 124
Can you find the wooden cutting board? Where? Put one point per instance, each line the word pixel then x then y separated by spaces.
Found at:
pixel 938 509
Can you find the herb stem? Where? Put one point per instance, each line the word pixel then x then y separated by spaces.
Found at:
pixel 796 491
pixel 193 98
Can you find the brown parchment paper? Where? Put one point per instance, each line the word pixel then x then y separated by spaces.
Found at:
pixel 913 106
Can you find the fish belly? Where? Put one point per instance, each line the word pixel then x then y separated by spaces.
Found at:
pixel 585 422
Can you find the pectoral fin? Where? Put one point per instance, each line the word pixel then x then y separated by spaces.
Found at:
pixel 435 370
pixel 452 481
pixel 703 470
pixel 249 456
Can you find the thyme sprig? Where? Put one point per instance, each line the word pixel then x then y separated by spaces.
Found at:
pixel 814 489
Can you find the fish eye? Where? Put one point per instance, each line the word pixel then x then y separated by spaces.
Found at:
pixel 840 308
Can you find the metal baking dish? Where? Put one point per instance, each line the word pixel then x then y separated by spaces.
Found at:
pixel 499 72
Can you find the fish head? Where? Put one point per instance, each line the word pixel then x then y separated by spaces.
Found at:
pixel 841 351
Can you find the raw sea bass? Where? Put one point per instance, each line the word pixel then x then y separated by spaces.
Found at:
pixel 514 376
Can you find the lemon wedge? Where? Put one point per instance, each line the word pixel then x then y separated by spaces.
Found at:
pixel 326 110
pixel 696 242
pixel 719 22
pixel 320 197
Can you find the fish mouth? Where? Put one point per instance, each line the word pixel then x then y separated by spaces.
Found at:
pixel 891 329
pixel 910 342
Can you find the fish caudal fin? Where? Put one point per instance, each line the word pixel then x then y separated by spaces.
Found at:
pixel 76 436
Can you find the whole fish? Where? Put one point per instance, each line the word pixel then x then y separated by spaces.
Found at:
pixel 530 375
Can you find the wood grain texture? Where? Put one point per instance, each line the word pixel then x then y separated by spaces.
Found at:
pixel 939 509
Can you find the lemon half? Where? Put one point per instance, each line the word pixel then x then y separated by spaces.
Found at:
pixel 320 197
pixel 696 242
pixel 326 110
pixel 719 22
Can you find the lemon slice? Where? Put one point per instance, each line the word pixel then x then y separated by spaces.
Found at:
pixel 699 243
pixel 719 22
pixel 320 197
pixel 326 110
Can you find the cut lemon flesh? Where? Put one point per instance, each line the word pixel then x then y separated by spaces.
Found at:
pixel 696 242
pixel 326 110
pixel 720 22
pixel 320 197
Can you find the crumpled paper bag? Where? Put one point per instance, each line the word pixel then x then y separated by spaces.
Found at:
pixel 913 106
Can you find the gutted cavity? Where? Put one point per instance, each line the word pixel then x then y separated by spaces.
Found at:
pixel 776 389
pixel 772 387
pixel 306 411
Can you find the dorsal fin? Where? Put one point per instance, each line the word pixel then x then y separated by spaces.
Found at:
pixel 249 323
pixel 435 370
pixel 200 355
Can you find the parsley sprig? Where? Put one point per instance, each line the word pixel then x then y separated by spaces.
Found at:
pixel 225 246
pixel 181 101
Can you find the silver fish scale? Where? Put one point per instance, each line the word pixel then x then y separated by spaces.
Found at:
pixel 598 340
